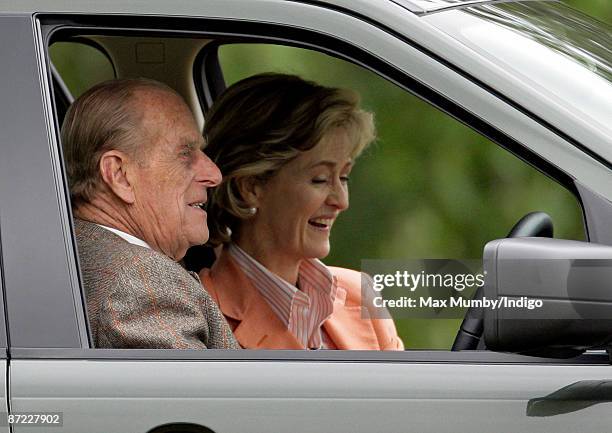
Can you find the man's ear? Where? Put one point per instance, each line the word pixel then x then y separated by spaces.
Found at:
pixel 113 165
pixel 250 190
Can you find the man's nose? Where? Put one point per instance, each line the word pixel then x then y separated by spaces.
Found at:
pixel 207 171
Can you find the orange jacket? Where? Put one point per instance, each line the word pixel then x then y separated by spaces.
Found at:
pixel 256 326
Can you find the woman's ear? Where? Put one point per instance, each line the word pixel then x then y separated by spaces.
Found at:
pixel 113 169
pixel 250 190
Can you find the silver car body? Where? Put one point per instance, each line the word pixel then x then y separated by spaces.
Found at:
pixel 52 367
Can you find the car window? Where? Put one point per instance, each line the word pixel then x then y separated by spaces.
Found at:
pixel 430 187
pixel 81 65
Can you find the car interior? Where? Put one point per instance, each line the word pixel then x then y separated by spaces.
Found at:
pixel 194 67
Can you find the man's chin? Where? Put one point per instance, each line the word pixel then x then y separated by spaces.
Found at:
pixel 199 239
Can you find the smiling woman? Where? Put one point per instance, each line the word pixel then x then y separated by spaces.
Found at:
pixel 286 147
pixel 284 232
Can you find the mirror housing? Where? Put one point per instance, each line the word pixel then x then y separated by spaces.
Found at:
pixel 570 280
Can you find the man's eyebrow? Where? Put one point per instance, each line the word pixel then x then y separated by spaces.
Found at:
pixel 194 144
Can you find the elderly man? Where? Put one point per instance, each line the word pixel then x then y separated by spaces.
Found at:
pixel 138 181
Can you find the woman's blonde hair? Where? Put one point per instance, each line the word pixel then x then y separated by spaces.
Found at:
pixel 261 123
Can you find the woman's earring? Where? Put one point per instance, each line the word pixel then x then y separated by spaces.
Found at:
pixel 252 210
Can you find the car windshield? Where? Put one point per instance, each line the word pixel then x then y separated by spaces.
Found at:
pixel 559 28
pixel 565 55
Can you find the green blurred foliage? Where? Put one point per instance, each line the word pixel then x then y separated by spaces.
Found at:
pixel 429 187
pixel 600 9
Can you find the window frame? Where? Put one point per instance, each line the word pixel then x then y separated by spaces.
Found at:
pixel 60 87
pixel 309 39
pixel 3 323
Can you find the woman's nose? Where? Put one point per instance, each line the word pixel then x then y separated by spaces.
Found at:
pixel 339 196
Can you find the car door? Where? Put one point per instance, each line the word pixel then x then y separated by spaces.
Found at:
pixel 53 367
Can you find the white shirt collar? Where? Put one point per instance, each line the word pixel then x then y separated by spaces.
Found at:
pixel 302 310
pixel 126 236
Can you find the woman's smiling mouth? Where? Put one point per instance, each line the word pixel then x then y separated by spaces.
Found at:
pixel 323 224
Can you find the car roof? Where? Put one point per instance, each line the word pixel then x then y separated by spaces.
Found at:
pixel 199 7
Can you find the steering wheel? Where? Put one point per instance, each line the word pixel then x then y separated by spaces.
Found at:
pixel 469 336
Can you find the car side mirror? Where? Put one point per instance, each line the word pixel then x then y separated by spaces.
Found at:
pixel 555 296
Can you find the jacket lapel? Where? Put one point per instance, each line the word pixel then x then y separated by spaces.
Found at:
pixel 258 327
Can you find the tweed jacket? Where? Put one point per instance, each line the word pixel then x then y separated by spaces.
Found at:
pixel 256 326
pixel 140 298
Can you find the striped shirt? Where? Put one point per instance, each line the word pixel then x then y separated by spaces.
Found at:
pixel 302 310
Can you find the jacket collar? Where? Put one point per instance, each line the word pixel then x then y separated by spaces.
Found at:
pixel 258 327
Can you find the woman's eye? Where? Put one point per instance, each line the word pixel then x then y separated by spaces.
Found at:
pixel 344 179
pixel 319 180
